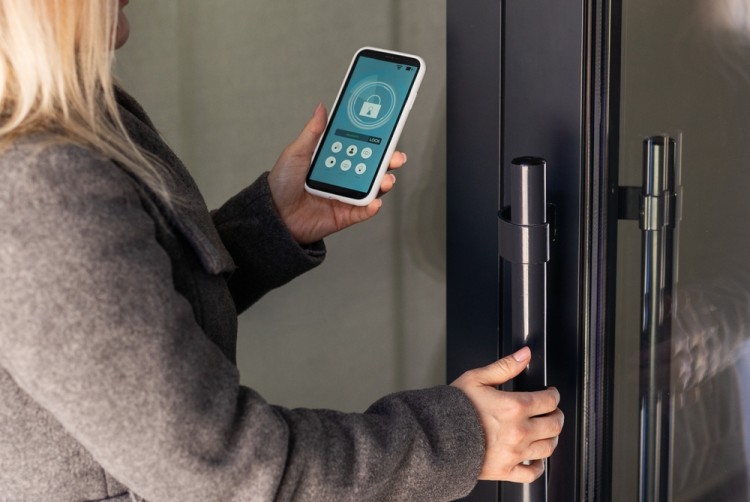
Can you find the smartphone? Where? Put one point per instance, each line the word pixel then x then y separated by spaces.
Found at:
pixel 364 125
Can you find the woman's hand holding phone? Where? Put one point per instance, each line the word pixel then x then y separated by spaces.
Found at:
pixel 307 217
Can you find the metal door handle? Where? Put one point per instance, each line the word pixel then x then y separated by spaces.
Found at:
pixel 657 206
pixel 525 243
pixel 657 223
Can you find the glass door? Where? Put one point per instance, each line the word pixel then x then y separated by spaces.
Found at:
pixel 641 109
pixel 681 392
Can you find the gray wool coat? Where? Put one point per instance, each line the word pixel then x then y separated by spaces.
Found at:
pixel 118 322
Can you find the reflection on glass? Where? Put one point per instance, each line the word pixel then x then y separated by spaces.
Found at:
pixel 686 68
pixel 733 15
pixel 711 352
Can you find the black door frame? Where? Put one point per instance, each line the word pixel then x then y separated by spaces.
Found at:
pixel 533 78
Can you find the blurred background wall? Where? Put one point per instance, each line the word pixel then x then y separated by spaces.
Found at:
pixel 230 83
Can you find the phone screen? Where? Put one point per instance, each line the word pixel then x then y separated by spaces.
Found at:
pixel 362 124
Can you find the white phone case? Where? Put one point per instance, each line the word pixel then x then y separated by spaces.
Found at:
pixel 383 167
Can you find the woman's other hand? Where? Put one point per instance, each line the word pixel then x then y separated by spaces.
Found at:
pixel 307 217
pixel 521 428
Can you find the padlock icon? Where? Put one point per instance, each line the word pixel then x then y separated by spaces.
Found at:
pixel 371 107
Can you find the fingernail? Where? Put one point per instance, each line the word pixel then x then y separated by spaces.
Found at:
pixel 393 177
pixel 522 355
pixel 405 157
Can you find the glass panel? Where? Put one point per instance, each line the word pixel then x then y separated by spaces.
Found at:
pixel 686 74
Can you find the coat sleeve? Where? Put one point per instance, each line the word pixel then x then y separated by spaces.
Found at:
pixel 93 331
pixel 264 251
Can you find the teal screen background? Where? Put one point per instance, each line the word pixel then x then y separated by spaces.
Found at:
pixel 358 136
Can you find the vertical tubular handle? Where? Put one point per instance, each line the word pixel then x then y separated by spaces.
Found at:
pixel 529 280
pixel 525 235
pixel 657 223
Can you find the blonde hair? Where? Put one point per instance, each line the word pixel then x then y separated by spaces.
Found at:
pixel 56 75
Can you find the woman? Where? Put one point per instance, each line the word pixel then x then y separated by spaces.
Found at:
pixel 118 312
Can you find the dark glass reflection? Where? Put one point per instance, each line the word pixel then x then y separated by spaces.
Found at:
pixel 686 73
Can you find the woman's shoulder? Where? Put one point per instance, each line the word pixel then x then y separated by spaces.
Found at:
pixel 44 150
pixel 44 165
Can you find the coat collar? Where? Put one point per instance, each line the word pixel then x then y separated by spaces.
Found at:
pixel 188 213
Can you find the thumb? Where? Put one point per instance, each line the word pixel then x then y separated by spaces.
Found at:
pixel 504 369
pixel 310 135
